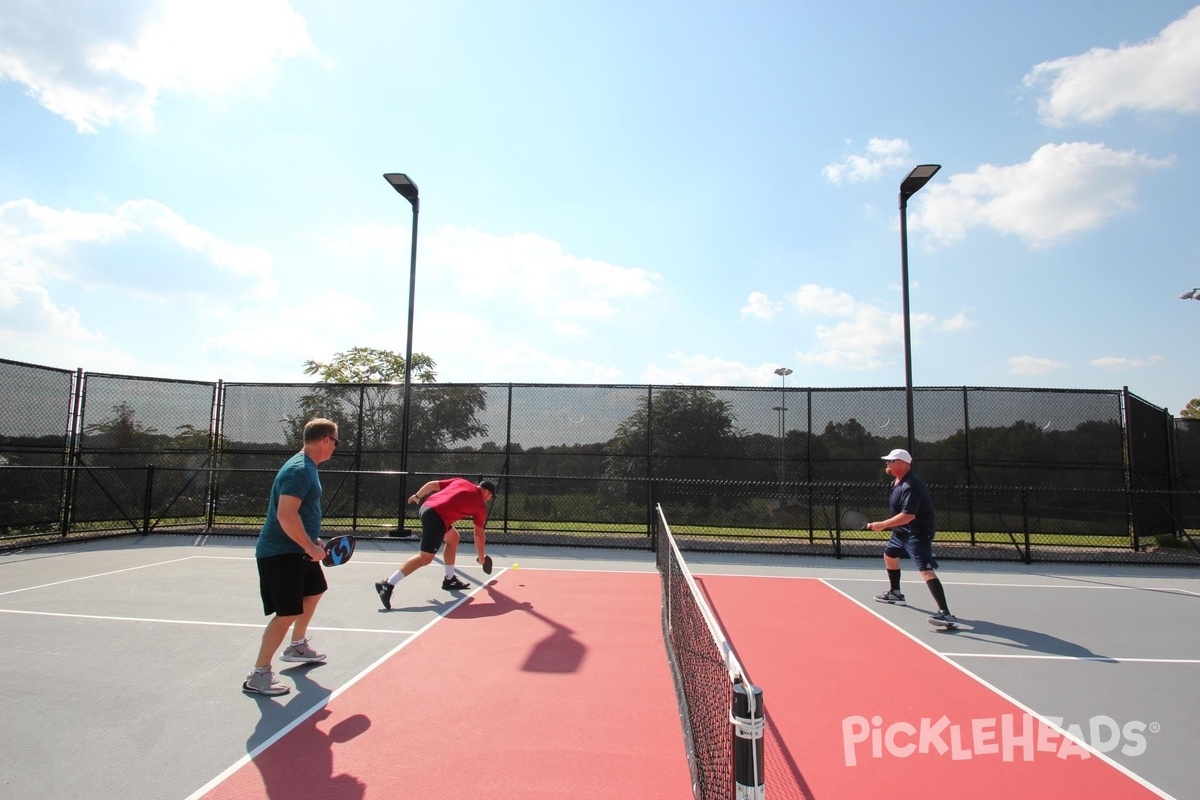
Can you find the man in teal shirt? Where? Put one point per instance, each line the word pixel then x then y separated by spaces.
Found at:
pixel 289 552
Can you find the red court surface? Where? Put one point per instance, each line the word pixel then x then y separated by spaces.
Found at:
pixel 847 696
pixel 543 684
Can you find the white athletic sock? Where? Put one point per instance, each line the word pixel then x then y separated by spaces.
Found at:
pixel 298 642
pixel 397 576
pixel 449 570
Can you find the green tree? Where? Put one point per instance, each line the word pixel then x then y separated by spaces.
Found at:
pixel 1191 410
pixel 370 365
pixel 372 379
pixel 849 440
pixel 123 431
pixel 691 430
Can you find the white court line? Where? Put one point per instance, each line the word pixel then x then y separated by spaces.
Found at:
pixel 1171 590
pixel 97 575
pixel 1097 586
pixel 246 759
pixel 257 625
pixel 1049 657
pixel 1063 732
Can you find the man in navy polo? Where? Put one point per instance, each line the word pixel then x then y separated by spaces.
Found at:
pixel 912 526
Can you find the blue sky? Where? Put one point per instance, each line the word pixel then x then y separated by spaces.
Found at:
pixel 615 192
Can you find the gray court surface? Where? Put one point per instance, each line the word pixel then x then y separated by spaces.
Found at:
pixel 123 660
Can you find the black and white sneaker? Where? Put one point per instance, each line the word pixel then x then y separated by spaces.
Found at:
pixel 453 583
pixel 385 593
pixel 891 596
pixel 943 619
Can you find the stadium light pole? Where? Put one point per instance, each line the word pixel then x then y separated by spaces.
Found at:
pixel 782 372
pixel 908 187
pixel 408 190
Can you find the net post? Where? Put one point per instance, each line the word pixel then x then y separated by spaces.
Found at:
pixel 748 726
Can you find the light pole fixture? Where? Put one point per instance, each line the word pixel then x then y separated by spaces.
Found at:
pixel 408 190
pixel 1194 294
pixel 782 372
pixel 911 184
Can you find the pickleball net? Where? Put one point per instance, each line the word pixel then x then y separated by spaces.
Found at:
pixel 720 709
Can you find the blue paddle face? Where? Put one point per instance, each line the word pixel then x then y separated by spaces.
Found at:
pixel 338 551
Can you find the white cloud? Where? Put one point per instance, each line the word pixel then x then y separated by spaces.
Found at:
pixel 520 358
pixel 701 370
pixel 1062 190
pixel 1161 74
pixel 959 322
pixel 43 330
pixel 880 154
pixel 534 275
pixel 95 64
pixel 1119 363
pixel 811 298
pixel 760 306
pixel 1031 365
pixel 499 306
pixel 143 247
pixel 862 336
pixel 70 281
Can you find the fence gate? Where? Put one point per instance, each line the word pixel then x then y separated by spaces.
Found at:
pixel 1149 431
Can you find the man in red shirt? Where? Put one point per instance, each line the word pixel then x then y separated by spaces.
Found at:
pixel 444 503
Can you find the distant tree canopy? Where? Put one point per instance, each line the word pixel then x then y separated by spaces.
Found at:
pixel 1192 409
pixel 689 427
pixel 369 365
pixel 440 415
pixel 124 430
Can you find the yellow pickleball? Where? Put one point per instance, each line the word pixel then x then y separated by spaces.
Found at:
pixel 516 566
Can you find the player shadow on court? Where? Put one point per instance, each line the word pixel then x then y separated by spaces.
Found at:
pixel 559 652
pixel 301 764
pixel 1023 639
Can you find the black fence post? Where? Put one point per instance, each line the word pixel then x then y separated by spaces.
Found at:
pixel 1025 524
pixel 149 498
pixel 837 522
pixel 358 446
pixel 67 512
pixel 215 425
pixel 970 469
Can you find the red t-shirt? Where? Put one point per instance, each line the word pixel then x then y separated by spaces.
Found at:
pixel 457 498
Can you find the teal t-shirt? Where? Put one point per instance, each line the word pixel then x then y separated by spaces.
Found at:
pixel 298 478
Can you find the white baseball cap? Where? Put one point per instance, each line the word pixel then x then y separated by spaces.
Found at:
pixel 898 455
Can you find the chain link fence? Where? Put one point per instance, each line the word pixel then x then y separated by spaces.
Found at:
pixel 1021 474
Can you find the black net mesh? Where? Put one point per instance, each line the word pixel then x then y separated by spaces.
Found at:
pixel 702 681
pixel 742 467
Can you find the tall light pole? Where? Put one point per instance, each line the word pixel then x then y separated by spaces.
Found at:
pixel 408 190
pixel 782 372
pixel 908 187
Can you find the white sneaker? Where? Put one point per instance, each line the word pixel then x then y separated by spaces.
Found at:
pixel 302 653
pixel 264 683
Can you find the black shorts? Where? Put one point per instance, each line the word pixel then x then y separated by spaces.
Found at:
pixel 433 529
pixel 284 581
